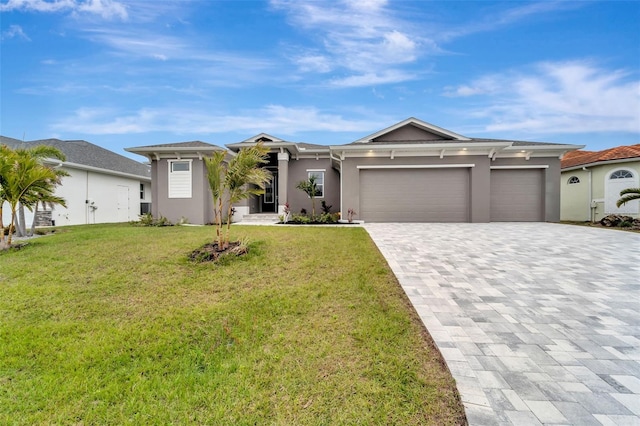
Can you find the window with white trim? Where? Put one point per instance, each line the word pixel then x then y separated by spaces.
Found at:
pixel 573 179
pixel 621 174
pixel 616 181
pixel 179 179
pixel 319 175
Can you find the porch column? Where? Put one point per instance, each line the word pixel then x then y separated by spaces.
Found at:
pixel 283 176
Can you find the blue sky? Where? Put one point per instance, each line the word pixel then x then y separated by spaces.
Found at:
pixel 123 73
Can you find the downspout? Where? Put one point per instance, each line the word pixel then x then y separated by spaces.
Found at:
pixel 86 200
pixel 592 207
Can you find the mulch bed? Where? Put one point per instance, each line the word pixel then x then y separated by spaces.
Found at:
pixel 210 252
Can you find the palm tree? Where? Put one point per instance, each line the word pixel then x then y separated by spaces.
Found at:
pixel 238 179
pixel 6 156
pixel 310 187
pixel 26 179
pixel 245 177
pixel 629 195
pixel 216 172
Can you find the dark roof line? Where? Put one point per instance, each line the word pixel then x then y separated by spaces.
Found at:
pixel 87 154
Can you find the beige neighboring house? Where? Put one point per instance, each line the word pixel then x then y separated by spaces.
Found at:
pixel 591 182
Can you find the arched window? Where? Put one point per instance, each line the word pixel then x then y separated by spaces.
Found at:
pixel 573 179
pixel 616 181
pixel 621 174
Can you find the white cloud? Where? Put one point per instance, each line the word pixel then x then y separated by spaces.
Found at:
pixel 187 56
pixel 15 31
pixel 37 5
pixel 482 86
pixel 271 118
pixel 313 63
pixel 356 36
pixel 373 79
pixel 106 9
pixel 557 97
pixel 497 19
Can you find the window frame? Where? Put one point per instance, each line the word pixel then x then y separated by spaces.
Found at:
pixel 172 193
pixel 319 186
pixel 174 162
pixel 573 180
pixel 629 174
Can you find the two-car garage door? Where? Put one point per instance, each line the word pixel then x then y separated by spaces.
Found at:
pixel 415 195
pixel 443 194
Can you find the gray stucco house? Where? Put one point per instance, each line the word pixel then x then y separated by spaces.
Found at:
pixel 412 171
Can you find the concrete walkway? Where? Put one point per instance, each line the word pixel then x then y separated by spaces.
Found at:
pixel 539 323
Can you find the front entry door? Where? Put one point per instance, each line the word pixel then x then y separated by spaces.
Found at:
pixel 269 199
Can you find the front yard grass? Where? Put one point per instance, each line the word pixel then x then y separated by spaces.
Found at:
pixel 112 324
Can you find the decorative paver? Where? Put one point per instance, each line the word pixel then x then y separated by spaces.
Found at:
pixel 539 323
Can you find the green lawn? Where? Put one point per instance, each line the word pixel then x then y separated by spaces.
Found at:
pixel 111 324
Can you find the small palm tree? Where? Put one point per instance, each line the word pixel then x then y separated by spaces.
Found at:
pixel 629 195
pixel 25 179
pixel 216 172
pixel 245 177
pixel 238 179
pixel 310 187
pixel 6 155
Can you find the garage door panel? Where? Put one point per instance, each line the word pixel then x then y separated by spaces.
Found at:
pixel 414 195
pixel 517 195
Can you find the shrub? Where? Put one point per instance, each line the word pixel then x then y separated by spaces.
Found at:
pixel 147 219
pixel 328 218
pixel 325 208
pixel 300 219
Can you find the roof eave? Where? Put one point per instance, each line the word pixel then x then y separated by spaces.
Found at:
pixel 420 146
pixel 59 163
pixel 546 147
pixel 601 163
pixel 152 149
pixel 277 145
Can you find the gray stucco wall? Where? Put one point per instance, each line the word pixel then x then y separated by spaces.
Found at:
pixel 480 184
pixel 198 209
pixel 408 133
pixel 298 172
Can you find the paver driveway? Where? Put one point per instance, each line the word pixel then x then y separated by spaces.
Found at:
pixel 539 323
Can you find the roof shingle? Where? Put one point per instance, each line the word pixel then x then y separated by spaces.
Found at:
pixel 87 154
pixel 580 158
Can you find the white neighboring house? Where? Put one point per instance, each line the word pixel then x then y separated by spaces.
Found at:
pixel 102 186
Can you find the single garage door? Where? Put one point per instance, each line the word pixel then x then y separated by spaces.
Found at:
pixel 517 195
pixel 414 195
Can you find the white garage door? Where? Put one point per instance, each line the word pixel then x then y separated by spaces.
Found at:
pixel 517 195
pixel 414 195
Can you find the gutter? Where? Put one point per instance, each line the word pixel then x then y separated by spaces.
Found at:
pixel 100 170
